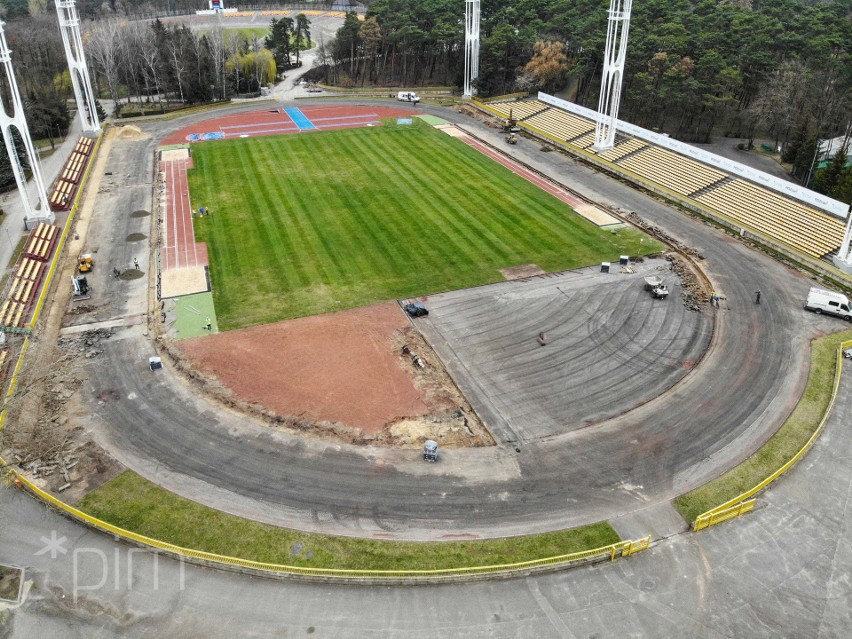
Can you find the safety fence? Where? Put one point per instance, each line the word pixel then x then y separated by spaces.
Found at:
pixel 743 502
pixel 611 552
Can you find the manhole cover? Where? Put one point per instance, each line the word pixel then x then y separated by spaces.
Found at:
pixel 131 274
pixel 136 237
pixel 140 213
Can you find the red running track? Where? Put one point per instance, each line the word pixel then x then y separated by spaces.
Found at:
pixel 180 250
pixel 525 173
pixel 275 121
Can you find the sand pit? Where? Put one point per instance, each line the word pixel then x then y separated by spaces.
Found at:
pixel 344 368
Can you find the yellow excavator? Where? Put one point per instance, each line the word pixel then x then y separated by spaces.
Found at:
pixel 85 263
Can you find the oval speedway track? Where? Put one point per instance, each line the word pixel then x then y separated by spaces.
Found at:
pixel 740 393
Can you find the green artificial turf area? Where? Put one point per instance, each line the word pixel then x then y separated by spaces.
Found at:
pixel 327 220
pixel 136 504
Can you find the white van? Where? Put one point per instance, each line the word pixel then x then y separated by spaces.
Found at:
pixel 408 96
pixel 822 301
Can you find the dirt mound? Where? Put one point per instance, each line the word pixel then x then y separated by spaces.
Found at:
pixel 130 132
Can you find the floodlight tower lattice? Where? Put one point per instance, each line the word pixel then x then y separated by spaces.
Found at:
pixel 69 26
pixel 471 45
pixel 40 211
pixel 615 55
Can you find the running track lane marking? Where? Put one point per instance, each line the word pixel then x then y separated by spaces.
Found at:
pixel 180 242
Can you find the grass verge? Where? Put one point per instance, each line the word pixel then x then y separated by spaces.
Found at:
pixel 329 220
pixel 784 444
pixel 133 503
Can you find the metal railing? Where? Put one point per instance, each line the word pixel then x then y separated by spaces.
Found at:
pixel 612 551
pixel 743 503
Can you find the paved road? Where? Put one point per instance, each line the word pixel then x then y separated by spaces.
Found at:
pixel 781 571
pixel 743 390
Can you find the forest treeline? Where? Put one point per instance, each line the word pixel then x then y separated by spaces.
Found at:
pixel 775 69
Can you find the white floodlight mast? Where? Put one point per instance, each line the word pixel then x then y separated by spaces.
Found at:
pixel 844 255
pixel 19 121
pixel 615 55
pixel 471 45
pixel 69 26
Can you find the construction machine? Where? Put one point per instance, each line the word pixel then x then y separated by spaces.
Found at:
pixel 85 263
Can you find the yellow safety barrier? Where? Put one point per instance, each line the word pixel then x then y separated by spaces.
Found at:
pixel 618 549
pixel 743 503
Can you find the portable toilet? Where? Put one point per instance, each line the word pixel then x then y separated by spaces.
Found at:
pixel 430 451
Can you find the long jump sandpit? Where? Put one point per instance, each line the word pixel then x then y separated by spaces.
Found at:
pixel 342 373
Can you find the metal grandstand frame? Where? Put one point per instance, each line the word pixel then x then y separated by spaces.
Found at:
pixel 471 45
pixel 69 26
pixel 615 55
pixel 33 212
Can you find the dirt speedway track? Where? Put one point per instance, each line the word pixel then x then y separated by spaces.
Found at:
pixel 743 389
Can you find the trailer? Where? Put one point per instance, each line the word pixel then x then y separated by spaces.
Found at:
pixel 652 282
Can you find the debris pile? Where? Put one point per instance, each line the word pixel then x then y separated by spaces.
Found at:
pixel 87 343
pixel 659 233
pixel 692 291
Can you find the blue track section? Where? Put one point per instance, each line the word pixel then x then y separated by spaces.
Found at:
pixel 299 118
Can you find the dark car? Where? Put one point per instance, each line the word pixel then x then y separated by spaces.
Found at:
pixel 416 309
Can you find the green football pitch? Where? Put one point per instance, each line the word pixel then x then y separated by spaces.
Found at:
pixel 323 221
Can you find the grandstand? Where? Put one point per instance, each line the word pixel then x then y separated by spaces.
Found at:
pixel 803 228
pixel 671 170
pixel 812 232
pixel 560 124
pixel 66 185
pixel 27 277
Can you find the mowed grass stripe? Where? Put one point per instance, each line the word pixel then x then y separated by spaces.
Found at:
pixel 334 219
pixel 376 240
pixel 455 209
pixel 527 219
pixel 304 197
pixel 495 186
pixel 451 249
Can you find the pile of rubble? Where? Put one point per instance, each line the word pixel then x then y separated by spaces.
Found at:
pixel 693 293
pixel 86 343
pixel 659 233
pixel 58 463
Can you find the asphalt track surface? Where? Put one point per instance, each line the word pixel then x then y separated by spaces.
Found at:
pixel 619 470
pixel 610 347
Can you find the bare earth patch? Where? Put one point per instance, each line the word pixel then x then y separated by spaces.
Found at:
pixel 346 374
pixel 520 272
